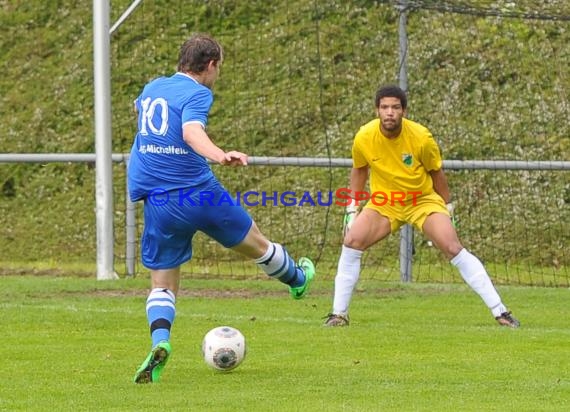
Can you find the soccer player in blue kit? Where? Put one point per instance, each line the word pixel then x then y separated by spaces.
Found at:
pixel 169 171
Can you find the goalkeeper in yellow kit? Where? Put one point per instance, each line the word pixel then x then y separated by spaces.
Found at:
pixel 404 163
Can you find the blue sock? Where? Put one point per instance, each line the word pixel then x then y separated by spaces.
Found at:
pixel 160 312
pixel 277 263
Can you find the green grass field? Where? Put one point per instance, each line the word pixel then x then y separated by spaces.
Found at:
pixel 73 344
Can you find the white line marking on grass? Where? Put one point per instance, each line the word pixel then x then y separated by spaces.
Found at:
pixel 179 313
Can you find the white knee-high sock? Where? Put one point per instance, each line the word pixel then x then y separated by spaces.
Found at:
pixel 346 277
pixel 474 274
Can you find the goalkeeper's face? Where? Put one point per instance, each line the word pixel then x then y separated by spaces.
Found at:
pixel 390 112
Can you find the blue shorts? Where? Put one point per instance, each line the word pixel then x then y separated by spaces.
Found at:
pixel 172 218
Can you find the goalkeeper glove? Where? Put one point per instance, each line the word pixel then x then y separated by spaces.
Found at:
pixel 451 209
pixel 349 215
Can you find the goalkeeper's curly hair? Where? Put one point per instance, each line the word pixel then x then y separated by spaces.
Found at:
pixel 391 91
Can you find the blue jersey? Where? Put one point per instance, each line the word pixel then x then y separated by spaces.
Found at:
pixel 160 158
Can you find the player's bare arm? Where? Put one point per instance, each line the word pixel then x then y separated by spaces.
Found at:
pixel 196 137
pixel 358 178
pixel 440 184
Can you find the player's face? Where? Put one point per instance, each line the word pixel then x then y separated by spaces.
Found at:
pixel 390 112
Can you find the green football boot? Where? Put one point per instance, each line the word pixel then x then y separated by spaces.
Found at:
pixel 309 269
pixel 153 365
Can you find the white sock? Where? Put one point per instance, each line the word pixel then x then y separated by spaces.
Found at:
pixel 474 274
pixel 346 277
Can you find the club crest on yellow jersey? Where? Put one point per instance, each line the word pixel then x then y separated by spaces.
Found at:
pixel 407 159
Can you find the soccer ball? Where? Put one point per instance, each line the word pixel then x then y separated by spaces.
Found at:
pixel 223 348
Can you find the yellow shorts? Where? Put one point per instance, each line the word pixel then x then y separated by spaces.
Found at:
pixel 413 212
